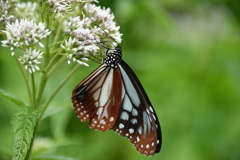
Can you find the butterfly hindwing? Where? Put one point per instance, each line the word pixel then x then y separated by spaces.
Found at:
pixel 137 119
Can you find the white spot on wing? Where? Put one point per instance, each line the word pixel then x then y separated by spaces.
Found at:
pixel 102 121
pixel 147 111
pixel 134 112
pixel 111 119
pixel 99 112
pixel 140 130
pixel 131 130
pixel 134 121
pixel 154 117
pixel 138 139
pixel 127 105
pixel 121 125
pixel 105 112
pixel 124 116
pixel 106 89
pixel 123 91
pixel 151 109
pixel 144 124
pixel 149 125
pixel 96 94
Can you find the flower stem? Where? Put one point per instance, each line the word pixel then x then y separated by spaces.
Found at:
pixel 41 88
pixel 55 66
pixel 57 89
pixel 51 62
pixel 33 90
pixel 46 105
pixel 55 43
pixel 31 144
pixel 46 61
pixel 45 76
pixel 25 79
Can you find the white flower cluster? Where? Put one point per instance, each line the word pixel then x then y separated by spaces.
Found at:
pixel 24 33
pixel 71 49
pixel 65 5
pixel 105 19
pixel 91 28
pixel 85 36
pixel 30 59
pixel 27 10
pixel 4 7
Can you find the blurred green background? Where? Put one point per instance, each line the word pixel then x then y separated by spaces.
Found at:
pixel 186 54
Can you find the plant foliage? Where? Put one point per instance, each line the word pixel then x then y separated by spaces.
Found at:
pixel 23 127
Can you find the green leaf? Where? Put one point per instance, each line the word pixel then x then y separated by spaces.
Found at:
pixel 23 128
pixel 11 98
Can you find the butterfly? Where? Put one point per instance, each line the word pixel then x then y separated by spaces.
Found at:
pixel 113 99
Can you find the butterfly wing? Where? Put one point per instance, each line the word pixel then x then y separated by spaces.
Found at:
pixel 97 98
pixel 115 99
pixel 137 119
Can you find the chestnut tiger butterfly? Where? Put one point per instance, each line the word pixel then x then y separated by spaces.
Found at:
pixel 113 98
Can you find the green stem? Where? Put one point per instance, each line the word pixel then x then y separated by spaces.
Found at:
pixel 31 144
pixel 46 61
pixel 55 43
pixel 51 62
pixel 45 76
pixel 41 88
pixel 57 89
pixel 46 105
pixel 55 66
pixel 25 79
pixel 33 90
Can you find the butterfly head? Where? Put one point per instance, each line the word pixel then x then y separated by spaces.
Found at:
pixel 113 58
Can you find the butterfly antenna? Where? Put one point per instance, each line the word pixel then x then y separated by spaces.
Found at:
pixel 94 59
pixel 99 43
pixel 107 34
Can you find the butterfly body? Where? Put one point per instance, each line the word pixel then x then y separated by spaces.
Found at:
pixel 113 98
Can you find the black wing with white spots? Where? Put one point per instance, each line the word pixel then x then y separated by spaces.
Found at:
pixel 137 119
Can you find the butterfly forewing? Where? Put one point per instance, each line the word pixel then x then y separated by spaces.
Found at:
pixel 95 98
pixel 137 119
